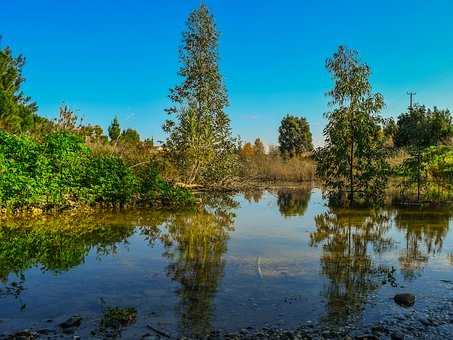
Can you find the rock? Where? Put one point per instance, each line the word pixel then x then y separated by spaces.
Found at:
pixel 73 321
pixel 24 335
pixel 69 331
pixel 397 335
pixel 45 331
pixel 405 299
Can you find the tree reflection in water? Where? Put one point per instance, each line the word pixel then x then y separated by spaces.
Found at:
pixel 194 240
pixel 293 202
pixel 58 244
pixel 424 234
pixel 253 195
pixel 195 244
pixel 346 237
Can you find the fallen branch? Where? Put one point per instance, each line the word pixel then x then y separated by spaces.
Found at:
pixel 158 331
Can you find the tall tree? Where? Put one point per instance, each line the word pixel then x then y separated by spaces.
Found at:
pixel 352 162
pixel 294 136
pixel 199 132
pixel 114 130
pixel 17 111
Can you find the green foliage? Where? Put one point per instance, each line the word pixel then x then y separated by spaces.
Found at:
pixel 353 161
pixel 130 136
pixel 114 130
pixel 389 131
pixel 153 188
pixel 199 140
pixel 430 170
pixel 419 130
pixel 294 136
pixel 440 162
pixel 421 127
pixel 62 171
pixel 17 111
pixel 108 179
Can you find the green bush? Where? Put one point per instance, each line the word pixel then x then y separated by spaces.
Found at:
pixel 108 179
pixel 61 171
pixel 155 189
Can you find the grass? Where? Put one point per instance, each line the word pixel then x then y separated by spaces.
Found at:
pixel 276 168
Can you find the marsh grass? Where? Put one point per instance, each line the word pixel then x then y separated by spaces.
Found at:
pixel 276 168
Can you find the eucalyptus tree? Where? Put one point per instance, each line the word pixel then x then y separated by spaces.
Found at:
pixel 294 136
pixel 199 132
pixel 352 162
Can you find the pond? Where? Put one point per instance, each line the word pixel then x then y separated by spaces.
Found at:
pixel 274 258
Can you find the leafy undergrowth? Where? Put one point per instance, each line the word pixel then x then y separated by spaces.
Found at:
pixel 60 172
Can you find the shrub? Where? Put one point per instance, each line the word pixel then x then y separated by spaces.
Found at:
pixel 108 179
pixel 155 189
pixel 61 171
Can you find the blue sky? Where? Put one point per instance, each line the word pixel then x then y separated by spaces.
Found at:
pixel 107 58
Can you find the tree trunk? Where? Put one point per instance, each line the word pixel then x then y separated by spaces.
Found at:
pixel 418 175
pixel 351 162
pixel 351 184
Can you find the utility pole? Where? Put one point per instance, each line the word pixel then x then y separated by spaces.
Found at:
pixel 411 94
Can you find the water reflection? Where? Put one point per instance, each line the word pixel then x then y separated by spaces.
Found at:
pixel 293 202
pixel 350 239
pixel 346 237
pixel 424 235
pixel 254 195
pixel 189 247
pixel 194 242
pixel 195 245
pixel 56 245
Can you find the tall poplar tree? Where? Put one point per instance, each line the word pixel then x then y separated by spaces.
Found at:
pixel 199 131
pixel 352 163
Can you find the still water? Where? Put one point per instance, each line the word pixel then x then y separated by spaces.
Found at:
pixel 273 258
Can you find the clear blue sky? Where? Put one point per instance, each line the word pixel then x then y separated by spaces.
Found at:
pixel 120 57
